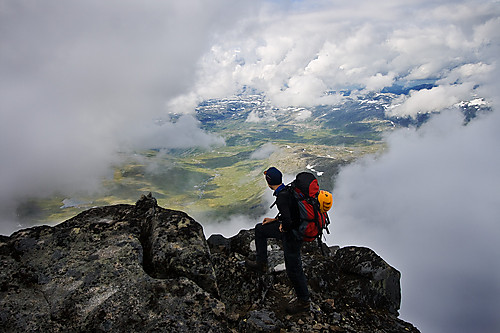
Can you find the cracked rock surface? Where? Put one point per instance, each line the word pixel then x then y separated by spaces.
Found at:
pixel 118 268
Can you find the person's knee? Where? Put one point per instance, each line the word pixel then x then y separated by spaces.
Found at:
pixel 294 270
pixel 258 228
pixel 293 266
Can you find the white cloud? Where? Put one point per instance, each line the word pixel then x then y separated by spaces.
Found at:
pixel 183 133
pixel 299 57
pixel 264 151
pixel 301 90
pixel 303 115
pixel 379 81
pixel 429 100
pixel 256 116
pixel 228 227
pixel 430 205
pixel 472 72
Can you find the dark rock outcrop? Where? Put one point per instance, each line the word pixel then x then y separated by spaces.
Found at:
pixel 149 269
pixel 352 289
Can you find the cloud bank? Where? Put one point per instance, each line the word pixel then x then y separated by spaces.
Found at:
pixel 305 55
pixel 83 80
pixel 430 207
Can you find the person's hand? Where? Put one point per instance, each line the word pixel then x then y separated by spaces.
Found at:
pixel 281 228
pixel 268 220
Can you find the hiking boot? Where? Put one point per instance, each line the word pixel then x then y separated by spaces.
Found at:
pixel 256 266
pixel 297 306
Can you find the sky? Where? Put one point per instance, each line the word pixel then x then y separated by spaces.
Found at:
pixel 82 81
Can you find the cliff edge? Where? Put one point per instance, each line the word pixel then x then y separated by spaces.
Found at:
pixel 144 268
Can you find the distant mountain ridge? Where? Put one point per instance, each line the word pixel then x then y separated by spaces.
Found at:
pixel 352 109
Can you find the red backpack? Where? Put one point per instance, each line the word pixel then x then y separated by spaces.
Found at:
pixel 305 190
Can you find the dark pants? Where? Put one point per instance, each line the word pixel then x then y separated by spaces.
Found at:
pixel 291 250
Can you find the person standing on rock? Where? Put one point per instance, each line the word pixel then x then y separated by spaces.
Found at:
pixel 281 228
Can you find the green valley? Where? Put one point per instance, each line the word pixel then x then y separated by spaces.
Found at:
pixel 226 180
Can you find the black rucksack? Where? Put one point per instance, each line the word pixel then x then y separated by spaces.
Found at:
pixel 313 221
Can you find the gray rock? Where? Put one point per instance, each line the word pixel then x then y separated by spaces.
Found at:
pixel 118 268
pixel 368 278
pixel 260 321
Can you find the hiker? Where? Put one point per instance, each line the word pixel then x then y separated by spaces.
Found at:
pixel 281 228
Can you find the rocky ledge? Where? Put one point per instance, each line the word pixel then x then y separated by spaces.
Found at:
pixel 143 268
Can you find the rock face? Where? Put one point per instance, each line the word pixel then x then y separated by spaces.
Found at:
pixel 143 268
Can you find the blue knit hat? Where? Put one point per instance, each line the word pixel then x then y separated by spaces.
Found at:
pixel 273 176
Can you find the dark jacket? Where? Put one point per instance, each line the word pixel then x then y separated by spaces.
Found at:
pixel 288 208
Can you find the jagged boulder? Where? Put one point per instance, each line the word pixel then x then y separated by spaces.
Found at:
pixel 118 268
pixel 368 279
pixel 144 268
pixel 174 245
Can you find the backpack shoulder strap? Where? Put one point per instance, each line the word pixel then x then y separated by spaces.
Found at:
pixel 288 187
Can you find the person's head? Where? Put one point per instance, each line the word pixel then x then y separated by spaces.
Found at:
pixel 273 177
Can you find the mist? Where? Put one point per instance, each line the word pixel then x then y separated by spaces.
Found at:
pixel 430 206
pixel 82 81
pixel 234 224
